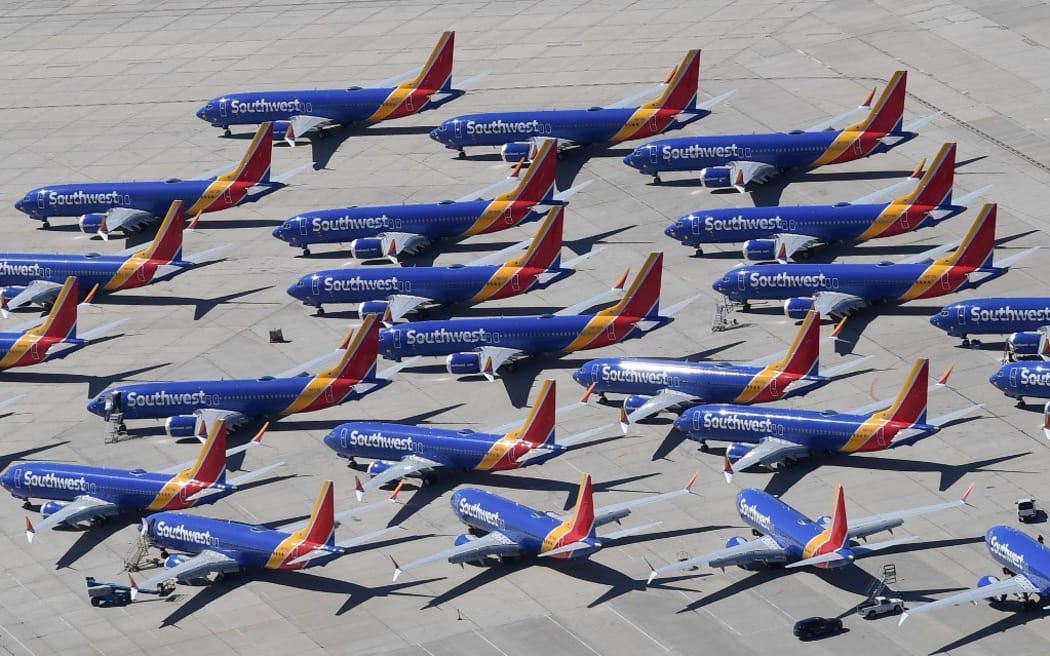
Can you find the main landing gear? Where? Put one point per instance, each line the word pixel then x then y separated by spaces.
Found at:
pixel 320 311
pixel 46 225
pixel 656 178
pixel 306 251
pixel 703 446
pixel 1020 402
pixel 462 154
pixel 226 131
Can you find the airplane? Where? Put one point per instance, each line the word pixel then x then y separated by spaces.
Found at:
pixel 107 206
pixel 1021 318
pixel 398 451
pixel 839 289
pixel 50 337
pixel 653 385
pixel 774 437
pixel 737 160
pixel 673 108
pixel 80 493
pixel 298 113
pixel 793 540
pixel 36 278
pixel 483 345
pixel 386 231
pixel 221 547
pixel 1020 379
pixel 1025 560
pixel 501 528
pixel 783 232
pixel 393 293
pixel 182 404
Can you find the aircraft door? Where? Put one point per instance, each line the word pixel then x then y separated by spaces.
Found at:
pixel 610 331
pixel 961 315
pixel 696 421
pixel 905 222
pixel 329 394
pixel 515 283
pixel 40 199
pixel 1013 378
pixel 946 281
pixel 654 125
pixel 397 339
pixel 696 224
pixel 741 282
pixel 858 147
pixel 773 387
pixel 304 227
pixel 459 129
pixel 226 194
pixel 34 351
pixel 654 155
pixel 316 285
pixel 409 103
pixel 222 107
pixel 344 438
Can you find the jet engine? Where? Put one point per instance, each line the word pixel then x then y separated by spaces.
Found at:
pixel 463 364
pixel 181 426
pixel 797 308
pixel 738 450
pixel 516 151
pixel 633 402
pixel 367 248
pixel 371 307
pixel 90 223
pixel 49 508
pixel 760 250
pixel 1021 344
pixel 715 177
pixel 988 580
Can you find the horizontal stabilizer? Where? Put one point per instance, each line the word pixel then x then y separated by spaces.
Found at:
pixel 100 331
pixel 1007 262
pixel 570 548
pixel 711 103
pixel 202 256
pixel 626 532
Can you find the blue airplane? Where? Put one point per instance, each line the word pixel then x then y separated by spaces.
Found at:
pixel 398 451
pixel 655 384
pixel 182 404
pixel 295 114
pixel 52 336
pixel 219 547
pixel 839 289
pixel 1020 379
pixel 791 539
pixel 107 206
pixel 36 278
pixel 501 528
pixel 81 493
pixel 386 231
pixel 740 159
pixel 393 293
pixel 675 107
pixel 780 233
pixel 1025 560
pixel 482 345
pixel 775 437
pixel 1020 318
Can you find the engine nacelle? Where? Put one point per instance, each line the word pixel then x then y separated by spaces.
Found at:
pixel 1023 344
pixel 760 250
pixel 181 426
pixel 516 151
pixel 280 130
pixel 464 538
pixel 90 223
pixel 377 467
pixel 824 521
pixel 49 508
pixel 173 561
pixel 367 248
pixel 735 541
pixel 716 177
pixel 986 581
pixel 463 364
pixel 738 450
pixel 633 402
pixel 797 308
pixel 372 307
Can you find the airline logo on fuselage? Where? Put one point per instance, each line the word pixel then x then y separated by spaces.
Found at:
pixel 734 422
pixel 1007 313
pixel 499 126
pixel 52 481
pixel 78 197
pixel 739 222
pixel 351 223
pixel 443 336
pixel 262 105
pixel 1003 550
pixel 617 375
pixel 476 511
pixel 751 512
pixel 359 284
pixel 162 398
pixel 180 532
pixel 1034 377
pixel 782 279
pixel 695 151
pixel 8 269
pixel 377 440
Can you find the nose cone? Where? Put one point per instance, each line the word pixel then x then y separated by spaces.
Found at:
pixel 719 286
pixel 7 479
pixel 202 114
pixel 97 406
pixel 438 134
pixel 672 230
pixel 298 290
pixel 936 320
pixel 331 441
pixel 280 233
pixel 633 158
pixel 681 423
pixel 997 378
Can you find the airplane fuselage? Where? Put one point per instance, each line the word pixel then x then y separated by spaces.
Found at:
pixel 1019 553
pixel 993 316
pixel 1020 379
pixel 154 197
pixel 109 272
pixel 797 534
pixel 24 349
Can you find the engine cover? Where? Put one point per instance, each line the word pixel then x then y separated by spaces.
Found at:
pixel 516 151
pixel 181 426
pixel 715 177
pixel 368 248
pixel 760 250
pixel 173 561
pixel 797 308
pixel 735 541
pixel 633 402
pixel 738 450
pixel 823 521
pixel 1023 344
pixel 463 364
pixel 372 307
pixel 90 223
pixel 280 130
pixel 463 538
pixel 50 508
pixel 377 467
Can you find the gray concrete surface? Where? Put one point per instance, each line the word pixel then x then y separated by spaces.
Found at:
pixel 107 91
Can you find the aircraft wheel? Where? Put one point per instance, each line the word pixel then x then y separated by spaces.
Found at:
pixel 220 576
pixel 656 179
pixel 745 306
pixel 704 447
pixel 699 251
pixel 46 224
pixel 26 505
pixel 1020 402
pixel 96 602
pixel 122 427
pixel 320 311
pixel 306 252
pixel 164 554
pixel 966 342
pixel 462 154
pixel 429 478
pixel 226 132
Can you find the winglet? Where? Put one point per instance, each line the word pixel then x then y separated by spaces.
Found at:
pixel 397 491
pixel 870 98
pixel 587 395
pixel 258 436
pixel 359 490
pixel 134 587
pixel 652 571
pixel 488 370
pixel 3 304
pixel 727 470
pixel 90 298
pixel 917 173
pixel 30 531
pixel 904 616
pixel 943 380
pixel 397 568
pixel 196 219
pixel 966 494
pixel 625 419
pixel 692 481
pixel 623 279
pixel 838 330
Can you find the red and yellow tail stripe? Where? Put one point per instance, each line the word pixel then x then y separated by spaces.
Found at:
pixel 542 255
pixel 801 359
pixel 319 530
pixel 230 188
pixel 908 408
pixel 411 96
pixel 166 247
pixel 861 138
pixel 680 93
pixel 61 324
pixel 834 536
pixel 209 468
pixel 333 386
pixel 577 527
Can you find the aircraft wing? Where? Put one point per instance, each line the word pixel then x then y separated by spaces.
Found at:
pixel 769 451
pixel 927 257
pixel 56 350
pixel 395 243
pixel 942 383
pixel 7 402
pixel 342 546
pixel 404 467
pixel 402 304
pixel 299 125
pixel 903 437
pixel 1017 585
pixel 126 219
pixel 787 244
pixel 613 294
pixel 77 510
pixel 835 304
pixel 494 189
pixel 866 526
pixel 490 544
pixel 664 399
pixel 38 292
pixel 205 563
pixel 618 511
pixel 760 550
pixel 744 172
pixel 493 357
pixel 846 117
pixel 893 191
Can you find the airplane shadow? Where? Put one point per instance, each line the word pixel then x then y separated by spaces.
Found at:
pixel 324 144
pixel 96 384
pixel 769 193
pixel 23 455
pixel 93 537
pixel 519 380
pixel 671 441
pixel 228 224
pixel 1018 617
pixel 201 307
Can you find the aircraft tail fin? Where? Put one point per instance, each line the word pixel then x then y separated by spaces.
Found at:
pixel 166 246
pixel 254 167
pixel 545 250
pixel 681 85
pixel 61 322
pixel 838 530
pixel 642 298
pixel 536 183
pixel 538 429
pixel 978 246
pixel 910 405
pixel 581 524
pixel 803 357
pixel 935 186
pixel 362 349
pixel 320 528
pixel 437 72
pixel 211 463
pixel 887 114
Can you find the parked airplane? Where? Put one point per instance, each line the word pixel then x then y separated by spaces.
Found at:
pixel 653 385
pixel 675 107
pixel 838 289
pixel 1020 379
pixel 297 113
pixel 1022 319
pixel 773 437
pixel 508 529
pixel 181 404
pixel 740 159
pixel 51 337
pixel 80 493
pixel 780 233
pixel 36 278
pixel 107 206
pixel 1024 560
pixel 398 451
pixel 221 547
pixel 789 537
pixel 388 230
pixel 482 345
pixel 393 293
